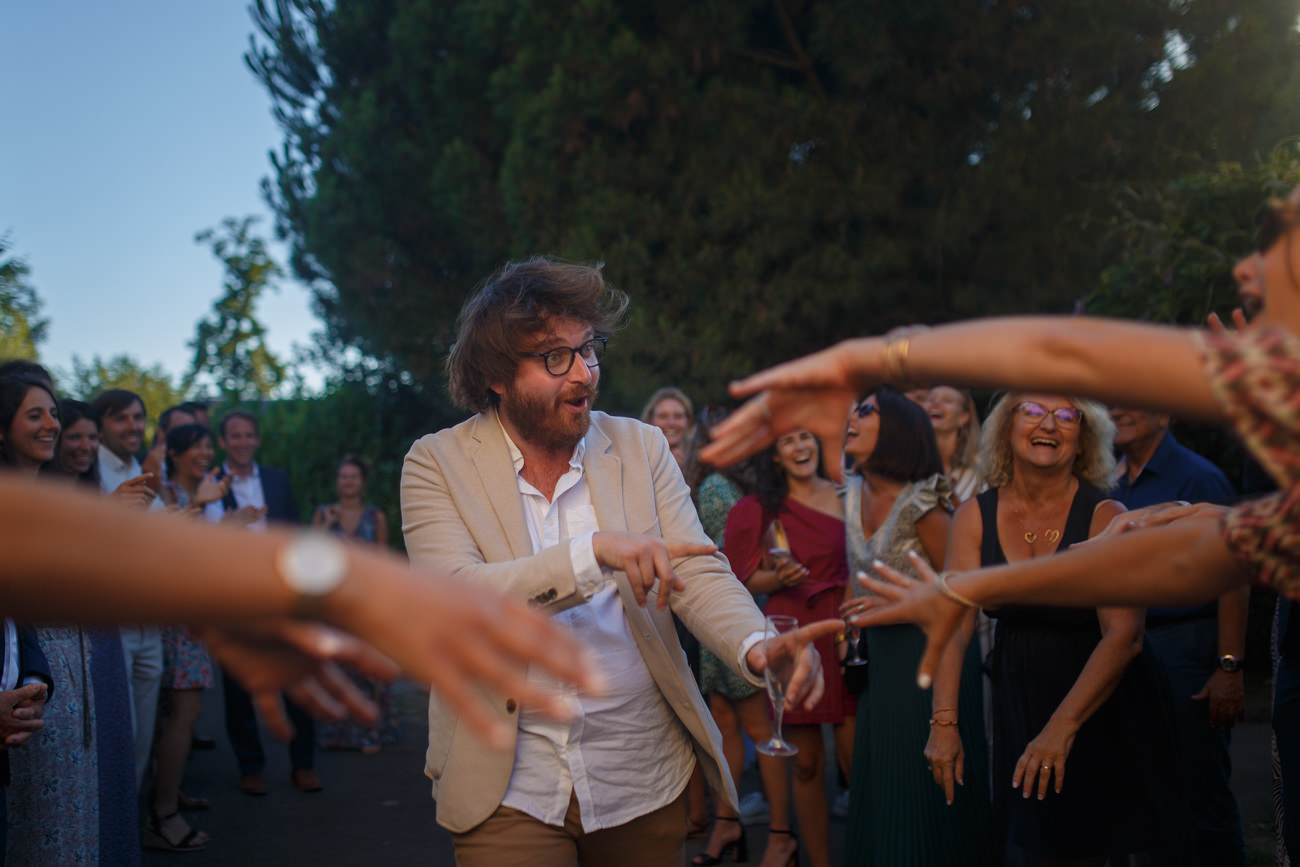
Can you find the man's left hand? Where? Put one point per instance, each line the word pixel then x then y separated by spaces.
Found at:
pixel 807 684
pixel 647 561
pixel 1226 697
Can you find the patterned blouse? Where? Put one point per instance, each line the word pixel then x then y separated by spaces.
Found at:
pixel 1255 377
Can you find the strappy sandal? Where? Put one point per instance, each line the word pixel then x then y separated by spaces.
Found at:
pixel 737 848
pixel 155 838
pixel 794 856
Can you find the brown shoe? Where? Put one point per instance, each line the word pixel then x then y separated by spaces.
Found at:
pixel 305 780
pixel 252 784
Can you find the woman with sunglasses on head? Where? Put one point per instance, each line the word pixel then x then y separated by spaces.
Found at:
pixel 802 569
pixel 957 431
pixel 896 501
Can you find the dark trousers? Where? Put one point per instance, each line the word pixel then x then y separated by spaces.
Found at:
pixel 1189 654
pixel 246 739
pixel 1286 727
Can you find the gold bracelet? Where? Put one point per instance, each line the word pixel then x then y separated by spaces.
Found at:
pixel 943 710
pixel 942 722
pixel 841 637
pixel 897 344
pixel 941 581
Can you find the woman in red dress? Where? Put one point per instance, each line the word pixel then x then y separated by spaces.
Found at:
pixel 804 575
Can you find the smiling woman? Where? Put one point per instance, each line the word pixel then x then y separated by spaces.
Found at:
pixel 29 424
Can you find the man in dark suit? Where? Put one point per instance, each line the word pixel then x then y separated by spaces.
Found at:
pixel 257 495
pixel 25 687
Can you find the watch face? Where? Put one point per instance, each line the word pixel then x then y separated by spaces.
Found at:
pixel 314 564
pixel 1229 663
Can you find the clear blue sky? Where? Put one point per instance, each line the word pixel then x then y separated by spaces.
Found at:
pixel 128 127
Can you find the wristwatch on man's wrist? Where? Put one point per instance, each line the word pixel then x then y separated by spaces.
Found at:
pixel 1229 663
pixel 313 566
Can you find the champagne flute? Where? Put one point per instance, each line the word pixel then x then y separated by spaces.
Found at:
pixel 780 653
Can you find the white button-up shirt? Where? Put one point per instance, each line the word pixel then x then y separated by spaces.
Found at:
pixel 113 471
pixel 623 754
pixel 247 491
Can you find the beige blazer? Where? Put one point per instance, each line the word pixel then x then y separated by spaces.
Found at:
pixel 461 509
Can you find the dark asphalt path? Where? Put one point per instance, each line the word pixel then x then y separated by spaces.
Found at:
pixel 377 809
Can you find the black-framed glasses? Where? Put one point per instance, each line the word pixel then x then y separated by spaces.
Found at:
pixel 559 361
pixel 865 409
pixel 1275 219
pixel 1036 412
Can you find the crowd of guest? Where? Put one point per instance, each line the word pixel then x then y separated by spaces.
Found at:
pixel 974 771
pixel 118 708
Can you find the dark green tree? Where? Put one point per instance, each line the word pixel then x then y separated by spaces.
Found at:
pixel 762 177
pixel 21 328
pixel 230 345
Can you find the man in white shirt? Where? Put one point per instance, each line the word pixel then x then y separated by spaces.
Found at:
pixel 121 437
pixel 589 517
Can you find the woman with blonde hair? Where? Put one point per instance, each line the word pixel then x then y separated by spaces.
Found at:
pixel 670 410
pixel 957 431
pixel 1065 695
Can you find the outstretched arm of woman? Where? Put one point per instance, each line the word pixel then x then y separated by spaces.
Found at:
pixel 442 632
pixel 1180 563
pixel 1068 355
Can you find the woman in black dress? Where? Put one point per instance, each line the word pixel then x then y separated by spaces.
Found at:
pixel 1069 718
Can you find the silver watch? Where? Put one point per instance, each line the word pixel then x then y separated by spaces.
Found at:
pixel 1229 663
pixel 313 565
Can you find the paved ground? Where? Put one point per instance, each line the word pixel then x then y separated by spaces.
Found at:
pixel 377 809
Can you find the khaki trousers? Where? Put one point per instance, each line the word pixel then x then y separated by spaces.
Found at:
pixel 509 838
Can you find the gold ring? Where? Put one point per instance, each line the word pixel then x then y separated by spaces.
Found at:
pixel 1046 767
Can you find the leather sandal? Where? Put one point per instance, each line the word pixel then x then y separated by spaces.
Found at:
pixel 155 837
pixel 794 856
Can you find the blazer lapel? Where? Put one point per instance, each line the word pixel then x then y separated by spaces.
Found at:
pixel 604 476
pixel 496 471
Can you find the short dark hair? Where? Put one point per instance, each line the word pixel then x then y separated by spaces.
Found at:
pixel 182 438
pixel 238 413
pixel 115 400
pixel 13 391
pixel 193 407
pixel 906 450
pixel 513 303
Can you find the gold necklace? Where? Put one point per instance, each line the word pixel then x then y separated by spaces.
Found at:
pixel 1052 535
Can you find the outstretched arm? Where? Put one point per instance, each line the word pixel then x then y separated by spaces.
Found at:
pixel 1181 563
pixel 1071 355
pixel 441 632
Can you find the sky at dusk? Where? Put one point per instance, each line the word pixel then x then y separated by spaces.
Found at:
pixel 127 128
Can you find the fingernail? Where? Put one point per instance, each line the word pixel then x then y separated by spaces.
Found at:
pixel 877 563
pixel 923 681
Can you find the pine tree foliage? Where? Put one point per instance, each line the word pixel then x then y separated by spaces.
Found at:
pixel 762 176
pixel 21 328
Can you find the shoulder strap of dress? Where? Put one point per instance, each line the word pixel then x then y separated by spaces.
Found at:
pixel 990 546
pixel 1079 522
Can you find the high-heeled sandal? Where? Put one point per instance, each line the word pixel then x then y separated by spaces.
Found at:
pixel 794 856
pixel 739 848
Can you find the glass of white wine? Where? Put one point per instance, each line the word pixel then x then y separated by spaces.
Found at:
pixel 780 652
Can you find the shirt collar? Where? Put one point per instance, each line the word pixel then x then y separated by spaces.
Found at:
pixel 517 457
pixel 255 474
pixel 112 461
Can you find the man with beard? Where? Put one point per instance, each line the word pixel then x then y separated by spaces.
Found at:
pixel 587 516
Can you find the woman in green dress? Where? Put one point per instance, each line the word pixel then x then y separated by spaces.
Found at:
pixel 898 501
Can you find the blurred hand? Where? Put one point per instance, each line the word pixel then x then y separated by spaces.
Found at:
pixel 21 710
pixel 244 515
pixel 900 599
pixel 1227 699
pixel 212 488
pixel 947 759
pixel 812 393
pixel 298 659
pixel 137 491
